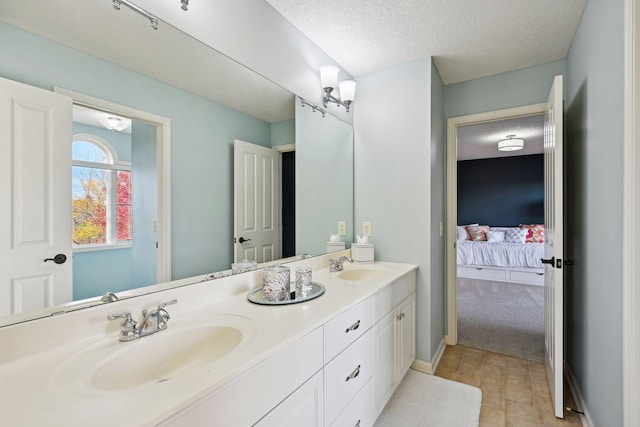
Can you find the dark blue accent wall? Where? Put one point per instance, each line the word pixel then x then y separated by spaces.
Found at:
pixel 504 191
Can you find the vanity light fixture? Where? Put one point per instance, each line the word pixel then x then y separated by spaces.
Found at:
pixel 152 18
pixel 511 144
pixel 115 124
pixel 329 81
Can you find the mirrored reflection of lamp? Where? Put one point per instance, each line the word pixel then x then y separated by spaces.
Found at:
pixel 329 81
pixel 511 144
pixel 115 124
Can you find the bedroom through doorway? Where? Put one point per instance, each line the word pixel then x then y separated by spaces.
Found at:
pixel 499 235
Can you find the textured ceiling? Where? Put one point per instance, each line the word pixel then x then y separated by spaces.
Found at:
pixel 480 141
pixel 123 37
pixel 467 38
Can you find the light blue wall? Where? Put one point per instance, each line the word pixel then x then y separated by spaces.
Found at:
pixel 202 139
pixel 144 204
pixel 438 197
pixel 393 168
pixel 506 90
pixel 594 105
pixel 283 133
pixel 324 179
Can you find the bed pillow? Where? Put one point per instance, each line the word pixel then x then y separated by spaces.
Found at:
pixel 477 233
pixel 535 233
pixel 495 236
pixel 515 235
pixel 462 232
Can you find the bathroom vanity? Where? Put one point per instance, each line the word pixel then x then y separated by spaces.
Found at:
pixel 222 360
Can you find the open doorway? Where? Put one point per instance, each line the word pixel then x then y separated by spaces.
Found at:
pixel 121 197
pixel 495 288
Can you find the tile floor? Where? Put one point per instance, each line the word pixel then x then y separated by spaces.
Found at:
pixel 514 391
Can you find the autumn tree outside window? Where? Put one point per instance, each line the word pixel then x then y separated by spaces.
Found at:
pixel 101 194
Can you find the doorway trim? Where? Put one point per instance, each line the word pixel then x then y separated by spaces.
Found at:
pixel 631 216
pixel 452 198
pixel 163 141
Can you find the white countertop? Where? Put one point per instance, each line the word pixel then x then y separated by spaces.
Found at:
pixel 43 370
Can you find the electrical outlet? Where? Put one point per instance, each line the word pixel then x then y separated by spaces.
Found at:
pixel 342 228
pixel 366 228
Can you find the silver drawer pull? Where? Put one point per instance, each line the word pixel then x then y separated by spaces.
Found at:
pixel 352 327
pixel 478 268
pixel 357 424
pixel 540 274
pixel 353 374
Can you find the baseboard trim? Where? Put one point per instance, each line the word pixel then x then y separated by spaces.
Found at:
pixel 582 406
pixel 430 367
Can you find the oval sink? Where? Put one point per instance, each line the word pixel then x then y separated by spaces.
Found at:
pixel 158 358
pixel 361 274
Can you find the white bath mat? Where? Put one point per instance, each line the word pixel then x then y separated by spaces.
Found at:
pixel 429 401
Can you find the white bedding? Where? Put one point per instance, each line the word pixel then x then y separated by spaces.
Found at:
pixel 500 254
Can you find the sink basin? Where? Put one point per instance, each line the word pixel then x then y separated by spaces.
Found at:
pixel 157 358
pixel 104 364
pixel 361 273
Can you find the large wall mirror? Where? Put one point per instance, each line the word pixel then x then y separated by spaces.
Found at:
pixel 210 100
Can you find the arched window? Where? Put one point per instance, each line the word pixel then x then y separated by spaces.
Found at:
pixel 101 189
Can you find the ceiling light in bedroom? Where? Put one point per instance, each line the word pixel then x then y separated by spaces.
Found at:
pixel 511 144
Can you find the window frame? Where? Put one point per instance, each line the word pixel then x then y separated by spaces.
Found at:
pixel 115 165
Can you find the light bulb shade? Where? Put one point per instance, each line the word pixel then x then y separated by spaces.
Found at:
pixel 511 144
pixel 115 124
pixel 347 90
pixel 329 76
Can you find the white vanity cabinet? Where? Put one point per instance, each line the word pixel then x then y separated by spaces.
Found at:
pixel 393 338
pixel 305 407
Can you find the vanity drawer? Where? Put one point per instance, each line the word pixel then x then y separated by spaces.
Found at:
pixel 360 412
pixel 345 375
pixel 344 329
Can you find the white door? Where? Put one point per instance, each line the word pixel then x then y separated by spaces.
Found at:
pixel 256 202
pixel 553 211
pixel 35 195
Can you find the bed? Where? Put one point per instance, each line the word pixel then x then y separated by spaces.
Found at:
pixel 516 260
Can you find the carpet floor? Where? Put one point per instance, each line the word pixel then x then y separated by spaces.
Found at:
pixel 506 318
pixel 429 401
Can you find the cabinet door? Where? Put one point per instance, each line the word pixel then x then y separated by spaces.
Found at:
pixel 305 407
pixel 406 336
pixel 385 376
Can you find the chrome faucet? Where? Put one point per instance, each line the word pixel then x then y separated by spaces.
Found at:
pixel 153 321
pixel 336 265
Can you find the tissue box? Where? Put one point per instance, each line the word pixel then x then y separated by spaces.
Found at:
pixel 335 246
pixel 362 252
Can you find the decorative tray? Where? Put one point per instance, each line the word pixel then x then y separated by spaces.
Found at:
pixel 257 297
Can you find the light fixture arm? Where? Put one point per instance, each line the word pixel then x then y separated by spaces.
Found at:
pixel 327 98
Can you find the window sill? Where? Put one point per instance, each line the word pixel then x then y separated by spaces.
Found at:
pixel 101 247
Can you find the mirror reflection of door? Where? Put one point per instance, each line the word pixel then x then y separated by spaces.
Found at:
pixel 257 205
pixel 35 133
pixel 114 199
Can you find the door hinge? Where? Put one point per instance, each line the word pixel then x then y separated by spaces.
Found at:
pixel 156 245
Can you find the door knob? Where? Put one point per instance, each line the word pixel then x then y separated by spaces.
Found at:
pixel 58 259
pixel 551 261
pixel 242 240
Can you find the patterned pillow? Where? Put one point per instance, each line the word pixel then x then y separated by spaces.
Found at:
pixel 477 233
pixel 515 235
pixel 535 232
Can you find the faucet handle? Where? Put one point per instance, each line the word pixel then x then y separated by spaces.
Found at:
pixel 164 304
pixel 128 320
